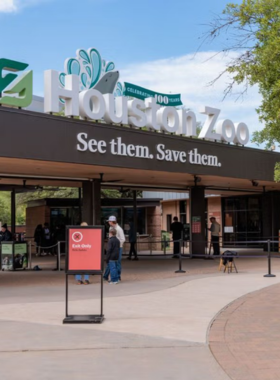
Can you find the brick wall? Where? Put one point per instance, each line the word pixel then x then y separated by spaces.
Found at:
pixel 169 208
pixel 34 216
pixel 19 229
pixel 154 221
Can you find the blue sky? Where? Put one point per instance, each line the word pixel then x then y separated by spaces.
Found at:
pixel 45 32
pixel 152 42
pixel 127 29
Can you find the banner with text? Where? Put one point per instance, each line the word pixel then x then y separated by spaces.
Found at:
pixel 142 93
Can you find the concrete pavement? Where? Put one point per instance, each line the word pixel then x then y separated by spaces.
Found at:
pixel 155 329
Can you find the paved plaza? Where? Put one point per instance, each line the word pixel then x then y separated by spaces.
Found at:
pixel 203 324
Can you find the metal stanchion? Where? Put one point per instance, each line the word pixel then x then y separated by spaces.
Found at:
pixel 151 244
pixel 180 260
pixel 164 245
pixel 208 255
pixel 269 261
pixel 30 254
pixel 58 256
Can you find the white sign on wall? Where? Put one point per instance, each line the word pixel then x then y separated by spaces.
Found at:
pixel 229 230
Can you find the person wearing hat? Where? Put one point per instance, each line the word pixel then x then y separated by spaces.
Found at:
pixel 120 235
pixel 6 235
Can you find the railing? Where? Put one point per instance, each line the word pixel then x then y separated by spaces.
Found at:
pixel 265 243
pixel 181 255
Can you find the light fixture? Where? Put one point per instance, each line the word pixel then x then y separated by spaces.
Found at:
pixel 197 180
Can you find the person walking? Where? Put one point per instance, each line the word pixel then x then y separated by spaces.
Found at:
pixel 79 277
pixel 215 235
pixel 132 240
pixel 177 231
pixel 46 240
pixel 113 251
pixel 120 235
pixel 38 238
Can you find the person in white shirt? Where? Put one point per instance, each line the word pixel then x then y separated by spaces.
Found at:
pixel 120 235
pixel 215 235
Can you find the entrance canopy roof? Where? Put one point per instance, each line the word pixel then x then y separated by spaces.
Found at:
pixel 48 150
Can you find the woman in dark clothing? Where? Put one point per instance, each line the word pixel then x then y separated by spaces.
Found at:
pixel 47 239
pixel 38 237
pixel 132 241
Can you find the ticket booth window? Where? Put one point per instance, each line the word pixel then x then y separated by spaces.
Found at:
pixel 242 221
pixel 128 217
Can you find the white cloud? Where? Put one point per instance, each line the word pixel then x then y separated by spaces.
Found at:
pixel 190 75
pixel 9 6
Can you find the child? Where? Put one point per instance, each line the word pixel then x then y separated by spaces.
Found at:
pixel 112 257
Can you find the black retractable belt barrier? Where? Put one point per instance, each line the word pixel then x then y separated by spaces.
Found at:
pixel 84 255
pixel 180 270
pixel 269 260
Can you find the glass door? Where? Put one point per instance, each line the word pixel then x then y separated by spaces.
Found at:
pixel 242 221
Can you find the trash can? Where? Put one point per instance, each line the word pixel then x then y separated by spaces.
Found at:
pixel 13 255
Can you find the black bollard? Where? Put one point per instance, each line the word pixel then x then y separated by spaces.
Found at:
pixel 269 261
pixel 180 261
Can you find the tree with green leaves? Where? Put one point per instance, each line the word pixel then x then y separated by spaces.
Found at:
pixel 252 30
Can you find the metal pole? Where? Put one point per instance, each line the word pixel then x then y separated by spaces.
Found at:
pixel 58 256
pixel 164 244
pixel 135 218
pixel 66 303
pixel 180 260
pixel 269 260
pixel 80 204
pixel 150 239
pixel 30 255
pixel 13 212
pixel 102 295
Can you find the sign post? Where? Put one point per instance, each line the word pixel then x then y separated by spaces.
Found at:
pixel 84 255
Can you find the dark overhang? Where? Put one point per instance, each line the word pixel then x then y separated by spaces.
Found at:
pixel 105 202
pixel 40 138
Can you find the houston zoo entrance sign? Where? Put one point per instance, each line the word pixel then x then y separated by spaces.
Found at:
pixel 89 88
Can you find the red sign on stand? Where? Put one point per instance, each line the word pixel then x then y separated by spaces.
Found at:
pixel 85 249
pixel 84 255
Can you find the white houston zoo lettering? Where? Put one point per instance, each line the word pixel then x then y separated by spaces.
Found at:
pixel 91 104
